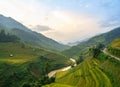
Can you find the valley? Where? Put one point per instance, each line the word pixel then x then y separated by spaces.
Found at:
pixel 90 73
pixel 52 73
pixel 30 59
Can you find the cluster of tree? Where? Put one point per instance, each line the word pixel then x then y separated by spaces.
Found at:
pixel 114 51
pixel 96 50
pixel 40 82
pixel 80 59
pixel 7 37
pixel 43 78
pixel 19 76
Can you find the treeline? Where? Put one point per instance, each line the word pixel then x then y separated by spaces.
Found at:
pixel 32 74
pixel 43 79
pixel 7 37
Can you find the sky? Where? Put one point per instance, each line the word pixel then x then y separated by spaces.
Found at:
pixel 64 20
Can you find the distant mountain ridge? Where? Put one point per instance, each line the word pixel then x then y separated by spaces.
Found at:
pixel 104 38
pixel 11 23
pixel 14 27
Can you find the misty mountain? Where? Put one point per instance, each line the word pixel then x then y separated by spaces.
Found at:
pixel 104 38
pixel 73 43
pixel 27 35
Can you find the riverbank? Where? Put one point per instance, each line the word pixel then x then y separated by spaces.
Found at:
pixel 52 73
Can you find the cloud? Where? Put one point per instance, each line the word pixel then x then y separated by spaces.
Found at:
pixel 71 27
pixel 110 22
pixel 41 28
pixel 68 23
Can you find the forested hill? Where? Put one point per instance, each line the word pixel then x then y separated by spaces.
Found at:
pixel 27 35
pixel 7 37
pixel 105 39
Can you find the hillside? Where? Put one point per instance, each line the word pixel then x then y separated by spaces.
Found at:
pixel 115 43
pixel 105 39
pixel 114 47
pixel 31 37
pixel 22 63
pixel 102 71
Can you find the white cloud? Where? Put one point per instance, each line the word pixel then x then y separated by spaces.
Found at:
pixel 69 27
pixel 66 26
pixel 40 28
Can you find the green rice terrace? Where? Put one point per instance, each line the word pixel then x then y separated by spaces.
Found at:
pixel 114 48
pixel 17 53
pixel 92 72
pixel 30 59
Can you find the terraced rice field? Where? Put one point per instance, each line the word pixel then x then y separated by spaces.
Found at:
pixel 87 74
pixel 58 85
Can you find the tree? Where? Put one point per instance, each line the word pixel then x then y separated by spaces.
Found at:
pixel 80 59
pixel 96 50
pixel 26 85
pixel 100 46
pixel 2 36
pixel 7 37
pixel 47 67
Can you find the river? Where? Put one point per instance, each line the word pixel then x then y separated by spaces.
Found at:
pixel 52 73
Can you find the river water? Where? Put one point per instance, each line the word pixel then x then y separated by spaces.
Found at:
pixel 52 73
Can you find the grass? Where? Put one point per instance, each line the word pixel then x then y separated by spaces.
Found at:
pixel 103 71
pixel 57 85
pixel 15 61
pixel 20 55
pixel 26 53
pixel 111 68
pixel 86 74
pixel 26 64
pixel 114 48
pixel 116 43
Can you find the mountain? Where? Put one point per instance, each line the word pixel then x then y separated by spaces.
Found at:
pixel 102 71
pixel 73 43
pixel 29 36
pixel 104 38
pixel 92 72
pixel 10 23
pixel 114 47
pixel 21 63
pixel 115 43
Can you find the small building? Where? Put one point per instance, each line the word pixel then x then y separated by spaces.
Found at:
pixel 11 55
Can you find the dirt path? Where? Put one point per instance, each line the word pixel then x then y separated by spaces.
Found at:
pixel 105 51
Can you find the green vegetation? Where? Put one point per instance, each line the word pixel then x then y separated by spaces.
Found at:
pixel 57 85
pixel 102 71
pixel 23 64
pixel 7 37
pixel 97 70
pixel 116 43
pixel 105 39
pixel 80 59
pixel 27 35
pixel 114 48
pixel 110 67
pixel 86 74
pixel 96 50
